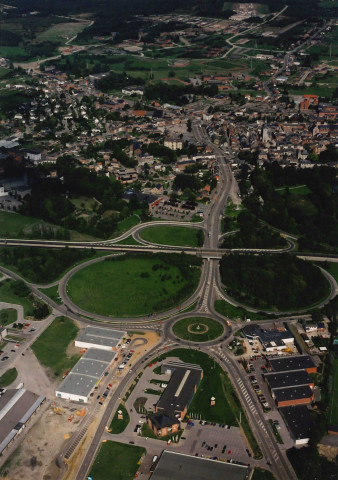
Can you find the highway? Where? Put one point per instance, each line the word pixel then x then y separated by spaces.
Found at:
pixel 209 289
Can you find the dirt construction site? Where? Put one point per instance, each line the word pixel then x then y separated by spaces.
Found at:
pixel 54 424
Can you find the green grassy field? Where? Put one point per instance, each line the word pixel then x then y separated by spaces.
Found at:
pixel 332 268
pixel 128 286
pixel 8 377
pixel 126 225
pixel 333 413
pixel 214 329
pixel 298 190
pixel 320 90
pixel 119 426
pixel 12 224
pixel 52 292
pixel 51 346
pixel 116 461
pixel 7 295
pixel 177 236
pixel 260 474
pixel 61 32
pixel 8 316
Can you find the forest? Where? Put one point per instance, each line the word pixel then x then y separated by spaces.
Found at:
pixel 312 214
pixel 252 234
pixel 272 282
pixel 40 265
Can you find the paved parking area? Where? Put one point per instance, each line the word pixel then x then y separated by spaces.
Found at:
pixel 198 438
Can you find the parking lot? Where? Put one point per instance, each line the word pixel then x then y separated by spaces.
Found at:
pixel 223 442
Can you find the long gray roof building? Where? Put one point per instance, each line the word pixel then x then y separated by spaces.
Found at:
pixel 80 382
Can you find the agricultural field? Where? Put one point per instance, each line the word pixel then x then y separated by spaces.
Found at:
pixel 61 32
pixel 178 236
pixel 116 461
pixel 51 346
pixel 124 286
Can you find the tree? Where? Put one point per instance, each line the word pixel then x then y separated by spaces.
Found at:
pixel 189 125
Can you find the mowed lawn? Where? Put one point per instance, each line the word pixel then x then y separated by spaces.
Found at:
pixel 128 286
pixel 214 329
pixel 177 236
pixel 13 223
pixel 51 346
pixel 116 461
pixel 7 295
pixel 333 414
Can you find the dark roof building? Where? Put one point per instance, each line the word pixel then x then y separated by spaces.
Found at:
pixel 294 362
pixel 286 397
pixel 181 388
pixel 288 379
pixel 178 466
pixel 299 422
pixel 270 338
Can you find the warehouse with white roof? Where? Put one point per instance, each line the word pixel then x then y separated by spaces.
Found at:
pixel 102 338
pixel 88 371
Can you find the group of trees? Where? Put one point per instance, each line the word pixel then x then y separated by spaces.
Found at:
pixel 49 199
pixel 177 94
pixel 40 265
pixel 281 282
pixel 313 215
pixel 252 234
pixel 20 289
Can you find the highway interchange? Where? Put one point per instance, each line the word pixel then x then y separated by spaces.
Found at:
pixel 209 289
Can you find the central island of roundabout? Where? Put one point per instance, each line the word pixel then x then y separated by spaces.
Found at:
pixel 135 284
pixel 198 329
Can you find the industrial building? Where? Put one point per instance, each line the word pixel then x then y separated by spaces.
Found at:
pixel 294 378
pixel 179 466
pixel 183 383
pixel 270 338
pixel 292 362
pixel 285 397
pixel 16 409
pixel 102 338
pixel 299 422
pixel 88 371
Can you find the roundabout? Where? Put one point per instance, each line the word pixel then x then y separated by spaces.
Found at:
pixel 198 329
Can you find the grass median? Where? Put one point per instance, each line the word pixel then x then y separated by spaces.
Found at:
pixel 176 236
